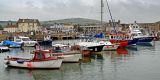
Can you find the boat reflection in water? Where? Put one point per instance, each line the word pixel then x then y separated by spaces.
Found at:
pixel 96 55
pixel 146 46
pixel 121 54
pixel 122 51
pixel 85 60
pixel 17 74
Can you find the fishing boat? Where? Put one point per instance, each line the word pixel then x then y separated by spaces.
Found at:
pixel 122 39
pixel 39 59
pixel 118 39
pixel 135 31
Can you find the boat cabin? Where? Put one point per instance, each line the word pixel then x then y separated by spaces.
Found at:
pixel 41 55
pixel 23 39
pixel 119 37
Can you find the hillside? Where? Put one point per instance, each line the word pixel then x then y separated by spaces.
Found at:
pixel 73 21
pixel 4 23
pixel 81 21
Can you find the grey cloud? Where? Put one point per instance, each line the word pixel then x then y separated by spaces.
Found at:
pixel 125 10
pixel 140 10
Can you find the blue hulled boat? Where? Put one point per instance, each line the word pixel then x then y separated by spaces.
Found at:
pixel 133 41
pixel 11 44
pixel 135 31
pixel 145 39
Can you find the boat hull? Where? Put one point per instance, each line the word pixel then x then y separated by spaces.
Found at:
pixel 46 42
pixel 4 49
pixel 68 58
pixel 132 42
pixel 50 64
pixel 110 47
pixel 93 46
pixel 71 58
pixel 145 39
pixel 15 46
pixel 122 43
pixel 96 48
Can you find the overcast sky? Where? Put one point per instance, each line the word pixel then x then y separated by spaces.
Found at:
pixel 125 10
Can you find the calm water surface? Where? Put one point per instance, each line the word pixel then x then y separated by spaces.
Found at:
pixel 132 63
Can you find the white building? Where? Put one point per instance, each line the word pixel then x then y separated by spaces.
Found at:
pixel 10 28
pixel 91 28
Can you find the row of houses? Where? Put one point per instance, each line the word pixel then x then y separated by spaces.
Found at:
pixel 23 25
pixel 59 27
pixel 27 25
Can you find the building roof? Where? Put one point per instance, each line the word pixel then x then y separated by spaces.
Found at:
pixel 28 21
pixel 11 26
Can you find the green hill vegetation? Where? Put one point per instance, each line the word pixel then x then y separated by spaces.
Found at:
pixel 80 21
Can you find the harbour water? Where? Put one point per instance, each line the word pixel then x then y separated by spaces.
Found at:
pixel 132 63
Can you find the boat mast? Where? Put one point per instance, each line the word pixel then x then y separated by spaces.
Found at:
pixel 102 13
pixel 112 21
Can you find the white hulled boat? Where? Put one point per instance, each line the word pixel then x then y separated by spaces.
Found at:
pixel 39 59
pixel 93 46
pixel 26 41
